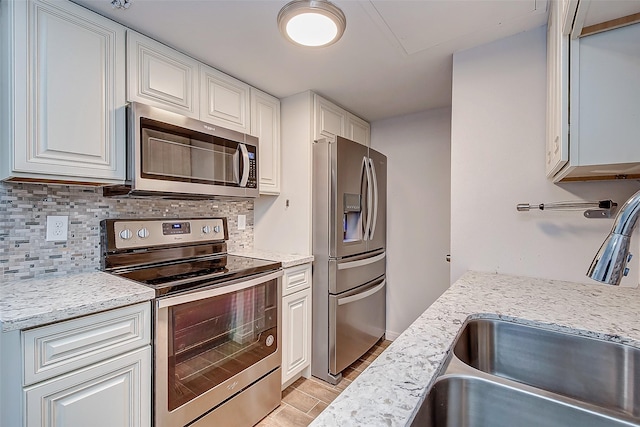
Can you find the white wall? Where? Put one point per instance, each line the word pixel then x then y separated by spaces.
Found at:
pixel 417 147
pixel 497 155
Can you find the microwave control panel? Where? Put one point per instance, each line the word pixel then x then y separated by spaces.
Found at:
pixel 252 182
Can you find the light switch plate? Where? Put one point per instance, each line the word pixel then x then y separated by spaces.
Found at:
pixel 242 222
pixel 57 228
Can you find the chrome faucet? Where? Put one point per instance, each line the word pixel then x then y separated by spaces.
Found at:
pixel 610 263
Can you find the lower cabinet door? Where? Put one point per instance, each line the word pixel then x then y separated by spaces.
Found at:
pixel 296 333
pixel 116 392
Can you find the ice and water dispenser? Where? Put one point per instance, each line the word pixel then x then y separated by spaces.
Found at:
pixel 352 218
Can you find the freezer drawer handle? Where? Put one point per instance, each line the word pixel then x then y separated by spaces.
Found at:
pixel 358 297
pixel 361 262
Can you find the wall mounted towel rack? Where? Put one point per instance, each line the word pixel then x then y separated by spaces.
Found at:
pixel 600 209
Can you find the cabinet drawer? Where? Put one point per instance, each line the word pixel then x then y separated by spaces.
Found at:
pixel 296 278
pixel 62 347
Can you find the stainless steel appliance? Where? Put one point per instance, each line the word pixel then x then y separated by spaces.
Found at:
pixel 169 155
pixel 216 324
pixel 349 238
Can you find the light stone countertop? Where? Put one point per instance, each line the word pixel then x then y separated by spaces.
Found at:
pixel 391 389
pixel 35 302
pixel 287 260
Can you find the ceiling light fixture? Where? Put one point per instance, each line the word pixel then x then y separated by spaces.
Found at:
pixel 120 4
pixel 311 23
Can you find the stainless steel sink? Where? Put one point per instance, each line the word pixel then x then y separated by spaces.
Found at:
pixel 600 372
pixel 507 374
pixel 464 401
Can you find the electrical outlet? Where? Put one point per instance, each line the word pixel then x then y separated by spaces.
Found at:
pixel 57 228
pixel 242 222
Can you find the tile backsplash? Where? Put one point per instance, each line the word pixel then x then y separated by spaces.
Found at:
pixel 25 253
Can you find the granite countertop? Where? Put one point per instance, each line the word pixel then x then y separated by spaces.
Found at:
pixel 35 302
pixel 287 260
pixel 391 389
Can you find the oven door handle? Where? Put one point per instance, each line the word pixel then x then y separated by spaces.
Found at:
pixel 218 290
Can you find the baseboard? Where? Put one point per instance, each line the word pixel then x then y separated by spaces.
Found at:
pixel 391 336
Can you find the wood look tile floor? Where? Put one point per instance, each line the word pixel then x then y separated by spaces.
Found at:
pixel 303 400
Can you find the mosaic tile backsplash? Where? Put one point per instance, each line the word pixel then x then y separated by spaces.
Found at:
pixel 25 253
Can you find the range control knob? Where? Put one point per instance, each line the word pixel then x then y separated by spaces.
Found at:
pixel 143 233
pixel 206 229
pixel 126 234
pixel 216 229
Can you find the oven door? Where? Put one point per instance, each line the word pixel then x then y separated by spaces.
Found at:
pixel 212 344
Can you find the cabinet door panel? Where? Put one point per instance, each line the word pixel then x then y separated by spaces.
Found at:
pixel 557 148
pixel 112 393
pixel 358 130
pixel 330 119
pixel 296 325
pixel 161 76
pixel 75 93
pixel 265 124
pixel 224 100
pixel 607 97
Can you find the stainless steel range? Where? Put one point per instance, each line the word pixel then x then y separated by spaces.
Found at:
pixel 216 319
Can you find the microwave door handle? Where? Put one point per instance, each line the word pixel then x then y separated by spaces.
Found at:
pixel 375 197
pixel 245 165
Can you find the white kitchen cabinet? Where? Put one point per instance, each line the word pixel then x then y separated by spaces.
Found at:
pixel 224 100
pixel 92 370
pixel 115 392
pixel 592 110
pixel 161 76
pixel 595 16
pixel 358 130
pixel 296 323
pixel 557 150
pixel 265 124
pixel 62 94
pixel 330 120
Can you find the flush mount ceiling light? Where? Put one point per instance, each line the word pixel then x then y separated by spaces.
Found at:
pixel 120 4
pixel 312 23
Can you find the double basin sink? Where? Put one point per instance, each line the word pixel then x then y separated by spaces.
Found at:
pixel 507 374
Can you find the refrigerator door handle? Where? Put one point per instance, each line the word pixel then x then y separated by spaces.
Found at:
pixel 375 197
pixel 367 230
pixel 361 262
pixel 363 295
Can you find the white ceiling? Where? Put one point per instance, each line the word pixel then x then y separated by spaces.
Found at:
pixel 394 58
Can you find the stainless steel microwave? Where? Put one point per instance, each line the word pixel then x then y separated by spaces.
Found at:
pixel 173 156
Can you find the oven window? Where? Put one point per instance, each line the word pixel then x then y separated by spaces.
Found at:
pixel 216 338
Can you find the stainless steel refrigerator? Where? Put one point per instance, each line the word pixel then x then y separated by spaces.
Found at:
pixel 349 239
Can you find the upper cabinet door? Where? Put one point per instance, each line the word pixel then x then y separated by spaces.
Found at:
pixel 557 149
pixel 330 120
pixel 69 93
pixel 161 76
pixel 224 100
pixel 358 130
pixel 265 124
